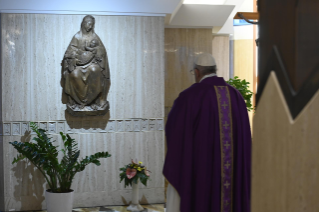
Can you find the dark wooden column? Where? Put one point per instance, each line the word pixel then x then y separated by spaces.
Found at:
pixel 288 45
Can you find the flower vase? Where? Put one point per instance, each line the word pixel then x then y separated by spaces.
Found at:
pixel 135 206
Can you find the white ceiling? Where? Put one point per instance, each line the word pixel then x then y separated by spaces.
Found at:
pixel 199 15
pixel 102 7
pixel 179 13
pixel 207 2
pixel 217 14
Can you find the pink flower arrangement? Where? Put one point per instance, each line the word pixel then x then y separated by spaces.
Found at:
pixel 133 172
pixel 130 173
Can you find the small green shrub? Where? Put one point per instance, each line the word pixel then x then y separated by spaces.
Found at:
pixel 243 87
pixel 44 155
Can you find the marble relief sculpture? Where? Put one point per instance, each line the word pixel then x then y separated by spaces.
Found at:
pixel 86 72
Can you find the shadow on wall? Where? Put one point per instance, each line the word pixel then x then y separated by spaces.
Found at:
pixel 142 201
pixel 30 188
pixel 124 201
pixel 87 122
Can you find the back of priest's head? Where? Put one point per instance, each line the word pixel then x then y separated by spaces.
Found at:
pixel 205 63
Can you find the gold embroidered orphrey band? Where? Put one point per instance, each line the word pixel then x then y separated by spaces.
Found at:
pixel 226 147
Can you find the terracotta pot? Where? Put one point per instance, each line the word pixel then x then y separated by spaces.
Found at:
pixel 59 202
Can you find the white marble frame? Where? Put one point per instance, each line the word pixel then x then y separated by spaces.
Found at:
pixel 86 126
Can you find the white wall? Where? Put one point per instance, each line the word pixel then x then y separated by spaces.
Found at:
pixel 247 6
pixel 33 46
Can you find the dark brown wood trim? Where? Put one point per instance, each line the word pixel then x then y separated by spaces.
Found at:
pixel 255 59
pixel 251 16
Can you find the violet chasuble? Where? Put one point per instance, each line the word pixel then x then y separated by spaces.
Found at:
pixel 208 158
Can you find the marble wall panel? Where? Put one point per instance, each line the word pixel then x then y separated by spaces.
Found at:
pixel 181 48
pixel 33 46
pixel 51 35
pixel 146 196
pixel 285 168
pixel 1 174
pixel 136 55
pixel 25 186
pixel 15 65
pixel 221 55
pixel 135 47
pixel 244 63
pixel 146 147
pixel 1 130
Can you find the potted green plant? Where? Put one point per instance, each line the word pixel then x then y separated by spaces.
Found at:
pixel 59 174
pixel 243 87
pixel 132 174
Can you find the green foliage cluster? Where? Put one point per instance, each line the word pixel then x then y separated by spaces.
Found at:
pixel 243 87
pixel 140 174
pixel 44 155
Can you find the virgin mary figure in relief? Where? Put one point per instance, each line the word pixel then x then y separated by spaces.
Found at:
pixel 86 72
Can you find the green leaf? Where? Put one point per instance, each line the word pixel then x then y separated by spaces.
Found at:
pixel 135 179
pixel 18 158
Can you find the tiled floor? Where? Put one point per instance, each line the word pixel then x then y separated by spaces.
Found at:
pixel 148 208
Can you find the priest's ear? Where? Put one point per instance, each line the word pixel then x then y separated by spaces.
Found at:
pixel 198 75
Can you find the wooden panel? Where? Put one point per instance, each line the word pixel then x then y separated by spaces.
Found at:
pixel 250 16
pixel 287 36
pixel 277 28
pixel 255 58
pixel 243 59
pixel 306 39
pixel 244 62
pixel 181 48
pixel 285 154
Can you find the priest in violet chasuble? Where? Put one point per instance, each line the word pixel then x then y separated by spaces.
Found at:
pixel 208 161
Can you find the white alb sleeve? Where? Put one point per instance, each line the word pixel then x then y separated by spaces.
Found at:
pixel 173 199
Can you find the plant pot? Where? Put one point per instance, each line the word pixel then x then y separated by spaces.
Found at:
pixel 59 202
pixel 135 206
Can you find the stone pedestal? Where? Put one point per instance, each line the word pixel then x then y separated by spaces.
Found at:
pixel 88 110
pixel 135 205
